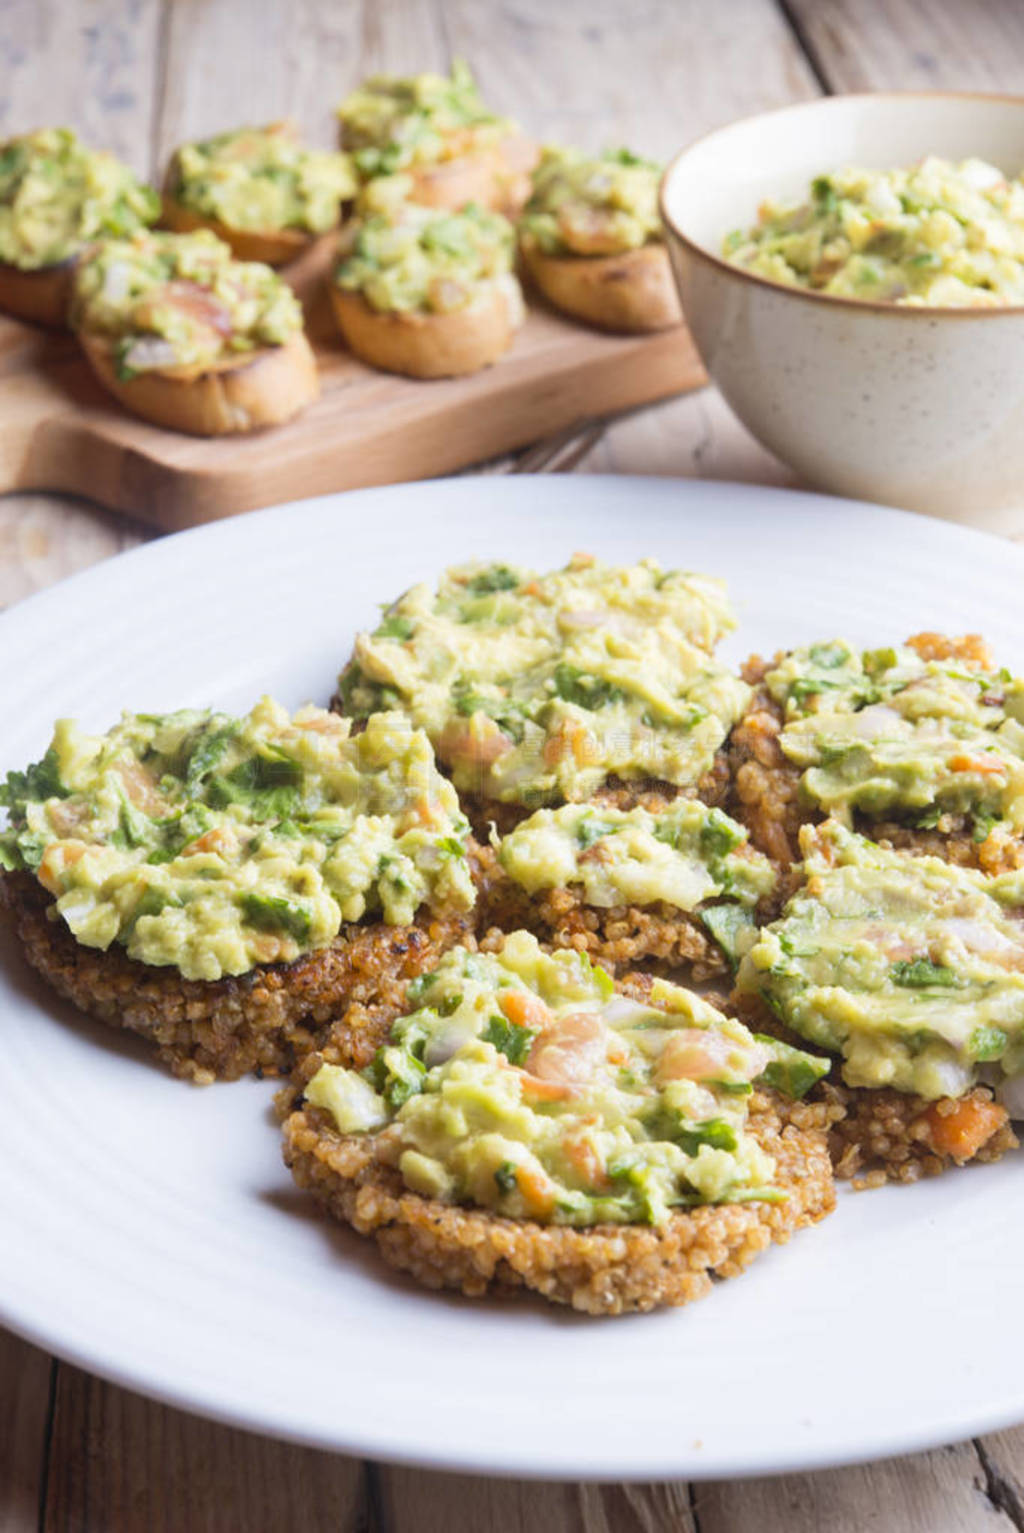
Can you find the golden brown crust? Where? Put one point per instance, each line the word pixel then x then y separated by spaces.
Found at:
pixel 275 247
pixel 633 292
pixel 877 1134
pixel 41 296
pixel 886 1135
pixel 603 1270
pixel 264 1021
pixel 242 393
pixel 428 345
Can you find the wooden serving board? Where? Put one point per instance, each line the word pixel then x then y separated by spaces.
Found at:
pixel 60 431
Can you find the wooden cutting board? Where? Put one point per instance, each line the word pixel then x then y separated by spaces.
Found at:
pixel 60 431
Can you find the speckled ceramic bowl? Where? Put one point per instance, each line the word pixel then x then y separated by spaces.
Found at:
pixel 917 407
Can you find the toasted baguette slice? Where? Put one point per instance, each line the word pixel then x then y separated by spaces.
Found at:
pixel 240 393
pixel 41 296
pixel 274 247
pixel 431 345
pixel 632 292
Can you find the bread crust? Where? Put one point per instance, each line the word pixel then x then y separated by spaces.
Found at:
pixel 428 345
pixel 274 247
pixel 265 1021
pixel 241 393
pixel 630 293
pixel 41 296
pixel 605 1269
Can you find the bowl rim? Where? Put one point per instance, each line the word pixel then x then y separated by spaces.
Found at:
pixel 873 305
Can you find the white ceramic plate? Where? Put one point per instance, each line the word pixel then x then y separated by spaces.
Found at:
pixel 150 1231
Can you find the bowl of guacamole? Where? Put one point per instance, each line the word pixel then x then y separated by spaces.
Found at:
pixel 852 270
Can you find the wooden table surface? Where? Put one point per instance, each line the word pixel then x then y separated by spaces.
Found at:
pixel 141 75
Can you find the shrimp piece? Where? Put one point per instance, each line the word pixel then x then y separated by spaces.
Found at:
pixel 567 1054
pixel 695 1055
pixel 56 858
pixel 525 1009
pixel 140 786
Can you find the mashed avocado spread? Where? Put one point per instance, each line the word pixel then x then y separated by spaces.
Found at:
pixel 56 196
pixel 885 731
pixel 522 1083
pixel 214 844
pixel 534 688
pixel 937 233
pixel 180 302
pixel 263 179
pixel 417 259
pixel 910 967
pixel 391 123
pixel 683 855
pixel 593 204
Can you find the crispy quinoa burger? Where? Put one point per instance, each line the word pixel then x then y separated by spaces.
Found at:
pixel 522 1125
pixel 591 682
pixel 920 745
pixel 676 882
pixel 226 886
pixel 909 971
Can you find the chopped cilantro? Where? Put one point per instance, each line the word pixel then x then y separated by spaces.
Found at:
pixel 394 627
pixel 593 829
pixel 922 974
pixel 499 577
pixel 508 1038
pixel 35 785
pixel 271 913
pixel 791 1072
pixel 574 686
pixel 987 1043
pixel 727 924
pixel 505 1176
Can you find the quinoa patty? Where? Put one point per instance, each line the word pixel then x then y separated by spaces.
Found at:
pixel 264 1021
pixel 601 1270
pixel 618 936
pixel 764 793
pixel 876 1134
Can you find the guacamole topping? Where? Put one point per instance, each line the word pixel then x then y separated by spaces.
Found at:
pixel 910 967
pixel 56 196
pixel 263 179
pixel 214 844
pixel 684 855
pixel 522 1083
pixel 391 123
pixel 590 205
pixel 937 233
pixel 180 302
pixel 534 688
pixel 885 731
pixel 417 259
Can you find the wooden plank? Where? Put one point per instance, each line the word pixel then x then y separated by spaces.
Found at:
pixel 412 1501
pixel 941 1492
pixel 570 73
pixel 1002 1455
pixel 295 60
pixel 122 1462
pixel 63 432
pixel 89 66
pixel 42 540
pixel 929 45
pixel 25 1376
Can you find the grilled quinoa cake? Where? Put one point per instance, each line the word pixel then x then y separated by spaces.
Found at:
pixel 226 886
pixel 527 1127
pixel 921 745
pixel 676 882
pixel 546 689
pixel 910 970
